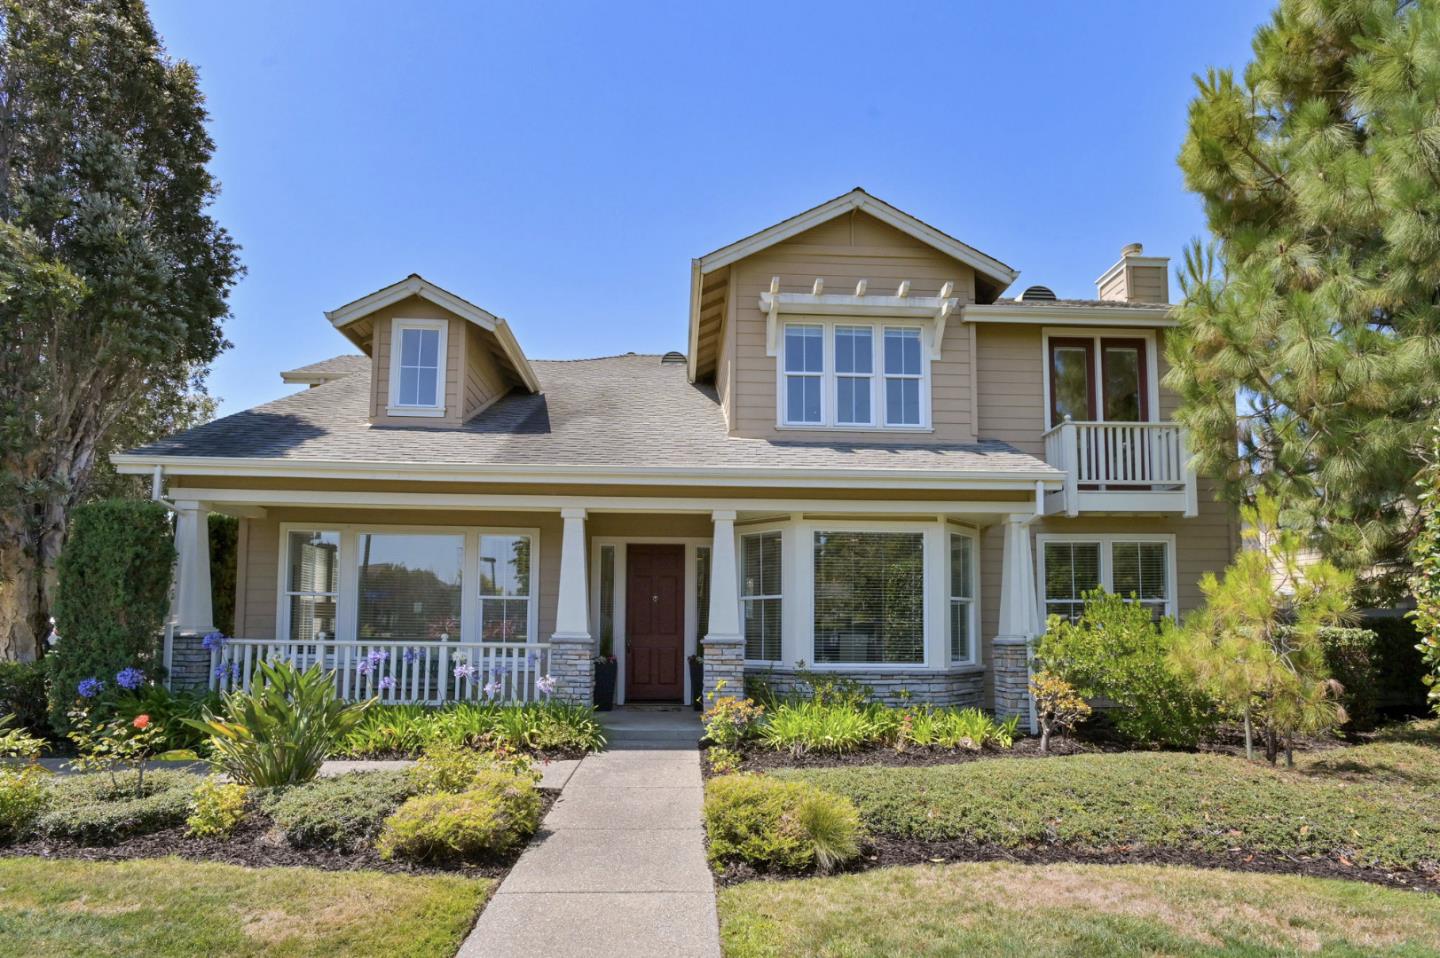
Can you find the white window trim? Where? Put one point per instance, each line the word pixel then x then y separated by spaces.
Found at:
pixel 875 356
pixel 347 608
pixel 397 328
pixel 1152 365
pixel 828 387
pixel 973 608
pixel 740 536
pixel 1107 565
pixel 692 618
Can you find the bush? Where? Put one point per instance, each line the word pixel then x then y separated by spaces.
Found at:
pixel 1399 665
pixel 114 591
pixel 452 768
pixel 216 809
pixel 771 824
pixel 496 814
pixel 103 809
pixel 16 742
pixel 280 732
pixel 953 728
pixel 1116 652
pixel 170 711
pixel 22 797
pixel 730 721
pixel 22 694
pixel 344 812
pixel 1058 707
pixel 404 731
pixel 1348 656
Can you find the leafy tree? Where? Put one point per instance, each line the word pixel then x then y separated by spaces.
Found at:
pixel 113 277
pixel 1256 645
pixel 1316 304
pixel 1426 582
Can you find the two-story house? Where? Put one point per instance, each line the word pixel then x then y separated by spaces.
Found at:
pixel 869 461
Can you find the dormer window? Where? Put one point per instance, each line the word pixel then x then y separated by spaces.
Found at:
pixel 417 367
pixel 847 375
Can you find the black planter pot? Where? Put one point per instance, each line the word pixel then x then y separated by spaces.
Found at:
pixel 605 685
pixel 697 683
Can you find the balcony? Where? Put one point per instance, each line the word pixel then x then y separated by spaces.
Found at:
pixel 1120 467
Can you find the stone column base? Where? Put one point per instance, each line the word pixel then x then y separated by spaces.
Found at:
pixel 724 663
pixel 190 663
pixel 572 666
pixel 1010 670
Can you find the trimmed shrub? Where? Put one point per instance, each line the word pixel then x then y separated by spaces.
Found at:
pixel 22 694
pixel 454 768
pixel 773 824
pixel 496 814
pixel 344 812
pixel 1348 655
pixel 216 809
pixel 103 809
pixel 114 590
pixel 22 797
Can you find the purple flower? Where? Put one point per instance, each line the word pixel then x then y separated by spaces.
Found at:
pixel 545 685
pixel 129 679
pixel 89 688
pixel 213 641
pixel 500 671
pixel 411 655
pixel 533 658
pixel 232 669
pixel 377 657
pixel 388 682
pixel 492 688
pixel 463 671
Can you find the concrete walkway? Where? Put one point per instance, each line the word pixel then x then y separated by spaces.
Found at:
pixel 618 868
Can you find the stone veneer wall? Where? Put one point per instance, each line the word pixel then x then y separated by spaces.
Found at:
pixel 189 666
pixel 1010 661
pixel 724 662
pixel 956 687
pixel 572 665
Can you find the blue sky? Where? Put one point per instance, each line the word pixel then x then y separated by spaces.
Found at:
pixel 561 164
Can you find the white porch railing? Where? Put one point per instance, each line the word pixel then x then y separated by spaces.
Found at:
pixel 1120 460
pixel 429 673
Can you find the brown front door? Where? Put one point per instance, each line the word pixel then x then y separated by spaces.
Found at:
pixel 654 622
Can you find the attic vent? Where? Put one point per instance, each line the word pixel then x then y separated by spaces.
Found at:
pixel 672 358
pixel 1038 294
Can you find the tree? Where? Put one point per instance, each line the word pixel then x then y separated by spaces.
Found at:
pixel 1426 582
pixel 114 277
pixel 1256 644
pixel 1316 303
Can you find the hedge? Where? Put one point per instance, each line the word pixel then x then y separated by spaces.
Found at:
pixel 1349 654
pixel 114 591
pixel 1399 667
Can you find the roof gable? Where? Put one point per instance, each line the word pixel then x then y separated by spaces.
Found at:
pixel 345 317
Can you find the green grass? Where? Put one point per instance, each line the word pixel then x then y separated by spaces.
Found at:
pixel 167 907
pixel 994 909
pixel 1372 804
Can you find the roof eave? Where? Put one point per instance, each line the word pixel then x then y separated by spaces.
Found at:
pixel 1143 316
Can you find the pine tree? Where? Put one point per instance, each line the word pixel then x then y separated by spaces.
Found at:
pixel 1316 303
pixel 1426 582
pixel 113 277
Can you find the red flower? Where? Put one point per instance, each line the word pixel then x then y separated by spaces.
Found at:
pixel 141 722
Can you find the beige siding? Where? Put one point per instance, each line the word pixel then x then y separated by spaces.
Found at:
pixel 1010 370
pixel 1149 284
pixel 484 381
pixel 416 308
pixel 846 249
pixel 260 583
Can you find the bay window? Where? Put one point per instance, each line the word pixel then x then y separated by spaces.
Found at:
pixel 869 590
pixel 1135 567
pixel 831 376
pixel 761 595
pixel 962 598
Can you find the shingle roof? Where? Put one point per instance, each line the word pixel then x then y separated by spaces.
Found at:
pixel 621 411
pixel 1086 303
pixel 334 367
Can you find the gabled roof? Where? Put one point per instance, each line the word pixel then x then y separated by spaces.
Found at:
pixel 417 285
pixel 326 370
pixel 703 297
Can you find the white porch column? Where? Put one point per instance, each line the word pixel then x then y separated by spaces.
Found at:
pixel 572 653
pixel 192 569
pixel 724 645
pixel 1019 621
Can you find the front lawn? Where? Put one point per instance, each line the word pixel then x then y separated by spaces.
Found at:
pixel 997 909
pixel 1370 806
pixel 165 907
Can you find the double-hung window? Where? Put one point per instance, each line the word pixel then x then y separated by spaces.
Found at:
pixel 854 370
pixel 962 598
pixel 804 374
pixel 504 588
pixel 903 372
pixel 761 595
pixel 417 367
pixel 869 598
pixel 1137 569
pixel 312 584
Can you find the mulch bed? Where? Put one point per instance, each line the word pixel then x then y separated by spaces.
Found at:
pixel 257 845
pixel 883 851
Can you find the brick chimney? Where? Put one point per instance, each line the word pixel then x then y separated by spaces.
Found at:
pixel 1136 278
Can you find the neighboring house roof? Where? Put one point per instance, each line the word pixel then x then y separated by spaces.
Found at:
pixel 327 370
pixel 628 414
pixel 345 317
pixel 984 264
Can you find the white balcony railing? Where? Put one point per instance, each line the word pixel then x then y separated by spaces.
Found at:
pixel 1121 467
pixel 430 673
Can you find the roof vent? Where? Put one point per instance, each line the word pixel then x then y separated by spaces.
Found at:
pixel 672 358
pixel 1038 294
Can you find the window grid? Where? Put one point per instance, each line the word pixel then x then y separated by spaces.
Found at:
pixel 419 366
pixel 854 371
pixel 804 374
pixel 505 588
pixel 829 376
pixel 903 372
pixel 1126 567
pixel 313 559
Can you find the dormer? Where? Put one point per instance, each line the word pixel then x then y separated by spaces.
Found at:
pixel 436 359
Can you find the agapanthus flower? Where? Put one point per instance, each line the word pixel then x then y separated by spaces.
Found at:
pixel 232 670
pixel 213 641
pixel 411 655
pixel 129 679
pixel 89 688
pixel 463 671
pixel 387 682
pixel 492 688
pixel 533 658
pixel 545 685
